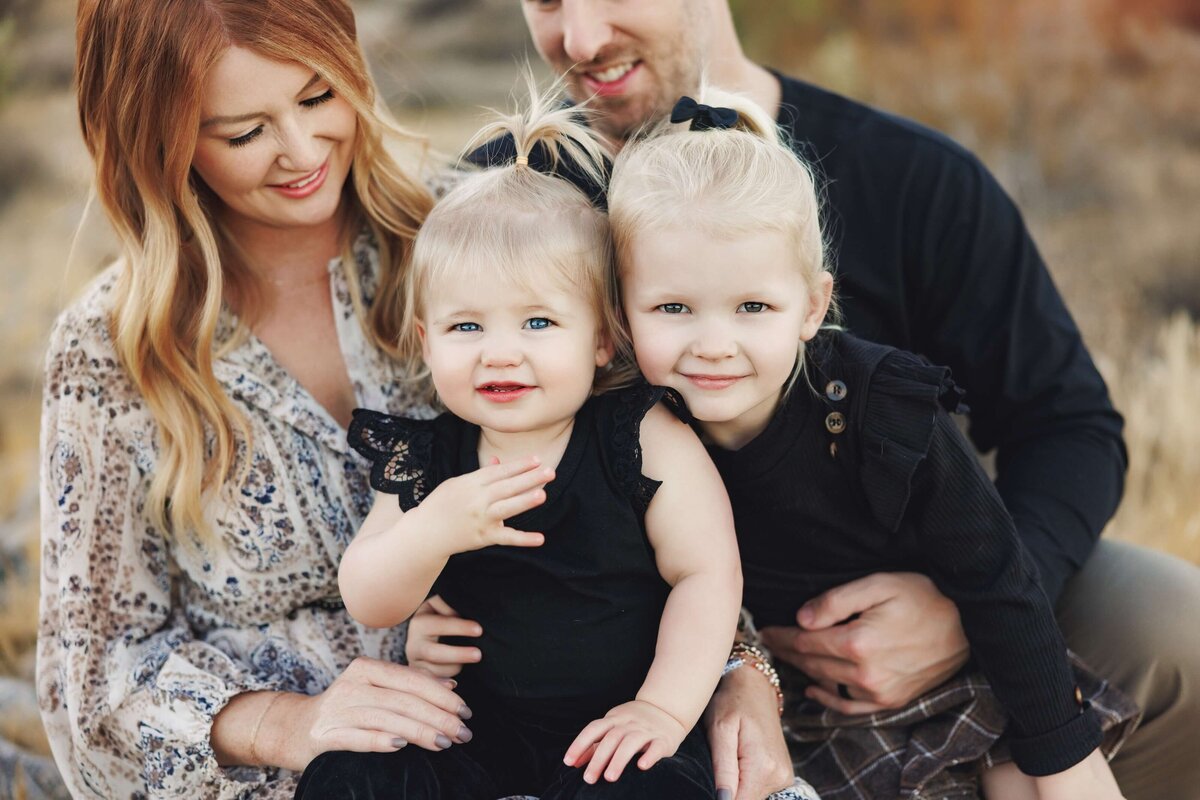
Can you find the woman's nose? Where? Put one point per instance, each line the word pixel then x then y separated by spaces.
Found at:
pixel 300 149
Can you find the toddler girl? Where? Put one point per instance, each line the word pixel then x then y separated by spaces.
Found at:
pixel 840 461
pixel 584 527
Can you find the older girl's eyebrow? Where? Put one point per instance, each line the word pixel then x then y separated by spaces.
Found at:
pixel 236 118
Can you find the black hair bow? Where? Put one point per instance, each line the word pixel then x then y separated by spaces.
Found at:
pixel 703 117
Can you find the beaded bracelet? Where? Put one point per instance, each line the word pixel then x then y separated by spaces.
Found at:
pixel 743 654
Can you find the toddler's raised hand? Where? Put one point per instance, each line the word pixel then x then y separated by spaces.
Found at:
pixel 469 511
pixel 607 745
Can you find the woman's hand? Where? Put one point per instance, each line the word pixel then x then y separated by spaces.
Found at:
pixel 889 637
pixel 750 756
pixel 607 745
pixel 423 649
pixel 374 706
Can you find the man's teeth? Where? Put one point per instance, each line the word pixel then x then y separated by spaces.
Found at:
pixel 301 184
pixel 612 73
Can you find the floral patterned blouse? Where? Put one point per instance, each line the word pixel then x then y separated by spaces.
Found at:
pixel 141 642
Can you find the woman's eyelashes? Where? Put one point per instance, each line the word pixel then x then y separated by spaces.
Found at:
pixel 312 102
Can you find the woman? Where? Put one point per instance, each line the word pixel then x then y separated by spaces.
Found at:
pixel 198 490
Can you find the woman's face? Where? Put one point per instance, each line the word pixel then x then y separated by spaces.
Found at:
pixel 275 143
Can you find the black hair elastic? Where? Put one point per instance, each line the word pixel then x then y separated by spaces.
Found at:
pixel 703 117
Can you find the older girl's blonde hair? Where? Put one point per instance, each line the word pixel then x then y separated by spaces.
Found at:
pixel 140 71
pixel 724 183
pixel 528 225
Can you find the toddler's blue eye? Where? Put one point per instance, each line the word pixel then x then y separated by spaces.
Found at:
pixel 466 327
pixel 537 323
pixel 752 307
pixel 673 308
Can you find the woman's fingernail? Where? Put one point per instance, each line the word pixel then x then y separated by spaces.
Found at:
pixel 724 794
pixel 398 743
pixel 443 741
pixel 464 734
pixel 464 712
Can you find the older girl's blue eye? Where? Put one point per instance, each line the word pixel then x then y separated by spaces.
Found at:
pixel 466 327
pixel 537 323
pixel 752 307
pixel 673 308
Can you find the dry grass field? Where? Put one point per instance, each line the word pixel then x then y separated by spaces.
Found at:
pixel 1085 109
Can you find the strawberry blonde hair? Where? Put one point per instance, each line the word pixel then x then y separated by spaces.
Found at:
pixel 140 70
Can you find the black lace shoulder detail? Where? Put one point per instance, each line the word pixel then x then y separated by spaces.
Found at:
pixel 622 439
pixel 400 451
pixel 906 394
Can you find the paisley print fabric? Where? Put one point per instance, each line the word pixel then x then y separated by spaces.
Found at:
pixel 143 637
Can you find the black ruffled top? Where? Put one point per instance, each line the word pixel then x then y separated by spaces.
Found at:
pixel 868 473
pixel 569 627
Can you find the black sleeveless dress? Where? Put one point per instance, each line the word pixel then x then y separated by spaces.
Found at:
pixel 569 628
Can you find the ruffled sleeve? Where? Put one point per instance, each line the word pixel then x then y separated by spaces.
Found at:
pixel 620 425
pixel 906 393
pixel 400 451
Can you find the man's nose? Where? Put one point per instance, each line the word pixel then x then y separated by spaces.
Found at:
pixel 586 30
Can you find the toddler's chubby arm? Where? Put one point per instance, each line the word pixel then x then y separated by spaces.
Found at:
pixel 394 559
pixel 690 526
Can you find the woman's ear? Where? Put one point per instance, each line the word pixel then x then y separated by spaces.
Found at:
pixel 819 296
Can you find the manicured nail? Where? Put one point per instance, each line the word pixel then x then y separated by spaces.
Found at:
pixel 443 741
pixel 464 734
pixel 464 712
pixel 724 794
pixel 398 743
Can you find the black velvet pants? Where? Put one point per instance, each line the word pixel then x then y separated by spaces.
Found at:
pixel 503 758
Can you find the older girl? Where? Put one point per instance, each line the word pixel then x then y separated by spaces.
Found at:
pixel 841 461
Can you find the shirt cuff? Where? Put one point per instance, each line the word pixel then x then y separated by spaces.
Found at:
pixel 1059 749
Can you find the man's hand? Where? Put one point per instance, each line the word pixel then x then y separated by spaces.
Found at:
pixel 423 648
pixel 888 637
pixel 750 756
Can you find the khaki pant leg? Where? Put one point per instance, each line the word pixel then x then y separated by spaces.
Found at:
pixel 1133 614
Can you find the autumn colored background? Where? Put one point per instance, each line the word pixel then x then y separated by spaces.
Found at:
pixel 1083 108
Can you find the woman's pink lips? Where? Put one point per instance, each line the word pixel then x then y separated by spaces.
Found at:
pixel 306 189
pixel 613 87
pixel 714 381
pixel 504 392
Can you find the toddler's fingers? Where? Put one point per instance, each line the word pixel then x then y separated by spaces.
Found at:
pixel 604 753
pixel 518 485
pixel 509 537
pixel 585 742
pixel 434 626
pixel 654 751
pixel 630 746
pixel 437 653
pixel 439 605
pixel 508 508
pixel 497 471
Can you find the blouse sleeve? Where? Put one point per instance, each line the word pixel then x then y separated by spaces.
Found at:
pixel 400 451
pixel 925 482
pixel 126 691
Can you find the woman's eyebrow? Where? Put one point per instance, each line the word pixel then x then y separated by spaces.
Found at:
pixel 229 120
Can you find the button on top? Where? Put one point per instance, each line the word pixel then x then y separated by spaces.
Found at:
pixel 835 391
pixel 835 422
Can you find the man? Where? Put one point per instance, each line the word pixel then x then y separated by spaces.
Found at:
pixel 931 256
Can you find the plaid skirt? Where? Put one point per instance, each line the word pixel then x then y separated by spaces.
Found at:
pixel 932 749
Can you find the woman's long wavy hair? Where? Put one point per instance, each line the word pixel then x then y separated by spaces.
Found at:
pixel 140 71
